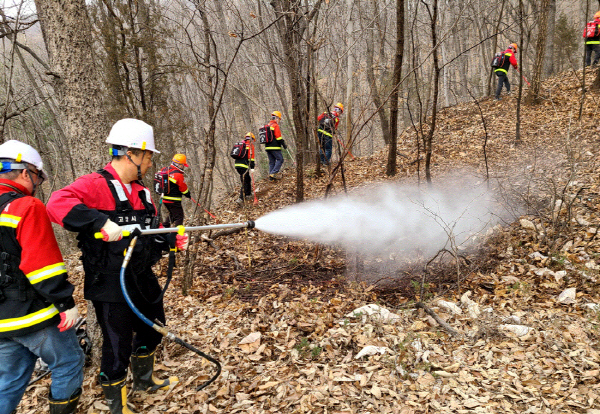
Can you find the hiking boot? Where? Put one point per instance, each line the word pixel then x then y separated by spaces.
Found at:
pixel 240 201
pixel 272 177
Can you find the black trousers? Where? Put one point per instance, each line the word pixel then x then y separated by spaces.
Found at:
pixel 502 80
pixel 124 332
pixel 246 180
pixel 588 54
pixel 175 216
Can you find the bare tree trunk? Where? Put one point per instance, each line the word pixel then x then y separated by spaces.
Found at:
pixel 391 164
pixel 293 25
pixel 549 59
pixel 371 80
pixel 533 97
pixel 521 14
pixel 436 81
pixel 76 82
pixel 349 76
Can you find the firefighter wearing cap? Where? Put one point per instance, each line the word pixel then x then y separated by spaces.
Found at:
pixel 245 167
pixel 274 148
pixel 109 201
pixel 37 308
pixel 176 190
pixel 502 72
pixel 592 41
pixel 328 124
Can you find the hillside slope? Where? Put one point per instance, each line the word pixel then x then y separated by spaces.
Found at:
pixel 510 344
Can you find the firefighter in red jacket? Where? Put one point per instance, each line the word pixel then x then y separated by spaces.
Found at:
pixel 274 148
pixel 36 303
pixel 502 72
pixel 592 43
pixel 245 167
pixel 110 201
pixel 176 190
pixel 328 125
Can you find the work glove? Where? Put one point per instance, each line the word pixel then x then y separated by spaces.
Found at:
pixel 68 319
pixel 188 194
pixel 111 231
pixel 182 241
pixel 284 145
pixel 252 165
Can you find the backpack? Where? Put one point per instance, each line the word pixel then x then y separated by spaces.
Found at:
pixel 591 30
pixel 161 181
pixel 239 151
pixel 498 60
pixel 265 135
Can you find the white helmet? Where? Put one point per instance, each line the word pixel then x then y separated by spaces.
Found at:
pixel 132 133
pixel 21 153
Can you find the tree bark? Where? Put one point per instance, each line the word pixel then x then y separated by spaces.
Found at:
pixel 67 33
pixel 428 144
pixel 392 157
pixel 533 97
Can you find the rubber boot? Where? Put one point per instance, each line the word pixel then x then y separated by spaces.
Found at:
pixel 115 394
pixel 68 406
pixel 142 368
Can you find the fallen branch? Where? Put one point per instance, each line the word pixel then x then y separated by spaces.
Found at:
pixel 440 321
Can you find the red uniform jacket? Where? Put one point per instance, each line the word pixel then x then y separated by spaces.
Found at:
pixel 34 305
pixel 84 206
pixel 278 141
pixel 177 186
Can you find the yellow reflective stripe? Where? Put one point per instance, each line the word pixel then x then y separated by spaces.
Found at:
pixel 173 180
pixel 508 54
pixel 272 148
pixel 241 165
pixel 172 198
pixel 46 273
pixel 501 70
pixel 14 324
pixel 8 220
pixel 593 42
pixel 325 132
pixel 186 191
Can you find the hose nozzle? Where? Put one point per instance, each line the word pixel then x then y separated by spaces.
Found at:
pixel 251 224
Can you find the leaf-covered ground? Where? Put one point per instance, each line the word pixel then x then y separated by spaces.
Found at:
pixel 521 322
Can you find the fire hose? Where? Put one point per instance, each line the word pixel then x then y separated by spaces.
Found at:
pixel 157 327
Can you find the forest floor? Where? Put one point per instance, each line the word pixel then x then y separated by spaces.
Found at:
pixel 520 327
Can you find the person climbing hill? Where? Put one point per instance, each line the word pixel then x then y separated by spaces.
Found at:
pixel 509 59
pixel 328 124
pixel 591 34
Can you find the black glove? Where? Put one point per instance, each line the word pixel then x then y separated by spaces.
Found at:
pixel 283 144
pixel 188 194
pixel 251 165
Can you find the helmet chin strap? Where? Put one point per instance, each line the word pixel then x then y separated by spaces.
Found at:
pixel 139 169
pixel 33 182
